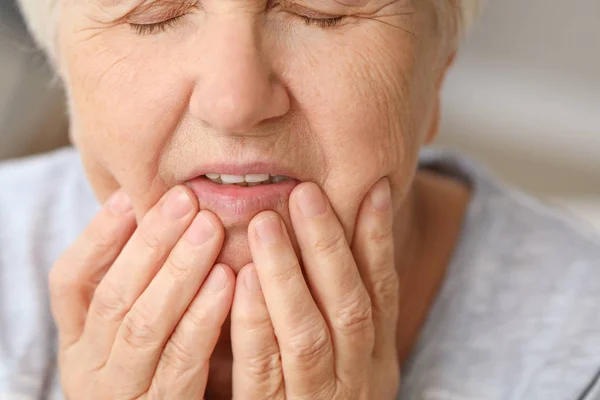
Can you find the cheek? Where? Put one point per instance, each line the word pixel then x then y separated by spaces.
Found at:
pixel 355 101
pixel 124 108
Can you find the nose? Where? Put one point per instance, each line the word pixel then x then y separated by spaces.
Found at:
pixel 236 88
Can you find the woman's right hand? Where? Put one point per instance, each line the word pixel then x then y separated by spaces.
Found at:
pixel 139 311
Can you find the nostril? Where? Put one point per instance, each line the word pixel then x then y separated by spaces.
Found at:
pixel 237 106
pixel 234 115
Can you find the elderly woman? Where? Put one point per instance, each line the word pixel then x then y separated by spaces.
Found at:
pixel 269 227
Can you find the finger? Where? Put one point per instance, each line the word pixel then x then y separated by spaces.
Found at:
pixel 76 274
pixel 182 371
pixel 257 369
pixel 136 266
pixel 334 281
pixel 373 248
pixel 302 334
pixel 154 315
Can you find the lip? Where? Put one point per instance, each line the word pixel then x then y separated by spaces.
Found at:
pixel 234 204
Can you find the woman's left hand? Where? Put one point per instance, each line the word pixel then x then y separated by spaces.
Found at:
pixel 333 335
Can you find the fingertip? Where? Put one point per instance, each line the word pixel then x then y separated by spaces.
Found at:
pixel 119 203
pixel 228 271
pixel 251 280
pixel 191 195
pixel 259 219
pixel 247 279
pixel 220 279
pixel 381 195
pixel 261 216
pixel 249 307
pixel 214 220
pixel 301 187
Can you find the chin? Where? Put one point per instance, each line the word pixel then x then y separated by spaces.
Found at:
pixel 236 250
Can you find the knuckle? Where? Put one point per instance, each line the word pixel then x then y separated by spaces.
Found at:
pixel 103 239
pixel 178 356
pixel 150 241
pixel 380 233
pixel 138 329
pixel 286 272
pixel 178 266
pixel 266 366
pixel 253 320
pixel 108 304
pixel 355 317
pixel 386 288
pixel 199 319
pixel 307 346
pixel 330 244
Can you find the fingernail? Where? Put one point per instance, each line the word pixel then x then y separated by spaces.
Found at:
pixel 217 280
pixel 269 230
pixel 311 201
pixel 177 204
pixel 119 203
pixel 200 231
pixel 381 196
pixel 252 282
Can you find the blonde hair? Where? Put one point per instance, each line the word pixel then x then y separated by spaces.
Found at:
pixel 41 17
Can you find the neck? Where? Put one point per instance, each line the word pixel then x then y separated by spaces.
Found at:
pixel 426 230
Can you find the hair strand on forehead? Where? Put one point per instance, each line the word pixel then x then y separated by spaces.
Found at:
pixel 469 11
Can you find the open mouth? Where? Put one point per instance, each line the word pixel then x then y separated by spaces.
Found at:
pixel 237 192
pixel 248 180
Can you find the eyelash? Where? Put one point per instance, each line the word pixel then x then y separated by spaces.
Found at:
pixel 322 23
pixel 149 29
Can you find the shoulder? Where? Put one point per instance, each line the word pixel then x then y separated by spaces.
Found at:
pixel 44 203
pixel 525 236
pixel 518 314
pixel 41 199
pixel 38 171
pixel 502 221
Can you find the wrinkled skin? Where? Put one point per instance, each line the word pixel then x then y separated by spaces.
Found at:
pixel 231 82
pixel 238 81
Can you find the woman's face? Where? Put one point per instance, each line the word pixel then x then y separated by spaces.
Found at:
pixel 240 86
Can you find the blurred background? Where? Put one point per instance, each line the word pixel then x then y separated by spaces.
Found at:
pixel 523 98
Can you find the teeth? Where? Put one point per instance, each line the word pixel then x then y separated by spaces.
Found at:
pixel 232 178
pixel 246 180
pixel 278 178
pixel 254 178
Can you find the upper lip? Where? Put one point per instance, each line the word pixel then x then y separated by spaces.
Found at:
pixel 243 169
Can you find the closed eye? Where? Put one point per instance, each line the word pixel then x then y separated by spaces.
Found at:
pixel 321 22
pixel 162 26
pixel 157 27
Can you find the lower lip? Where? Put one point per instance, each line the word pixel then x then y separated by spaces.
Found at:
pixel 239 202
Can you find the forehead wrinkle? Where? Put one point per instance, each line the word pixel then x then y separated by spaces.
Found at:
pixel 138 3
